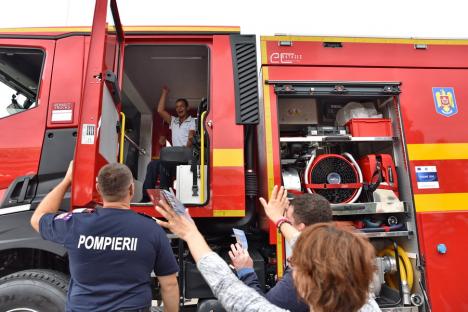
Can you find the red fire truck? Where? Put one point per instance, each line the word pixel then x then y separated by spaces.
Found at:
pixel 374 125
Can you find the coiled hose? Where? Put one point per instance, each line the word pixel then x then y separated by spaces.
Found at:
pixel 406 268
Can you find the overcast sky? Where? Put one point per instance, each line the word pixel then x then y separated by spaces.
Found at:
pixel 397 18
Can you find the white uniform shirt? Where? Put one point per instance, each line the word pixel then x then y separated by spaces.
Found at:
pixel 180 132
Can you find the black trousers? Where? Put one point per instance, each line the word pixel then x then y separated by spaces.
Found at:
pixel 152 175
pixel 167 174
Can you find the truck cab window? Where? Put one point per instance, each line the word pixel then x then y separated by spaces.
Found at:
pixel 20 73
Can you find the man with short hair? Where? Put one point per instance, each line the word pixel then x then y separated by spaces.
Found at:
pixel 112 250
pixel 304 210
pixel 183 130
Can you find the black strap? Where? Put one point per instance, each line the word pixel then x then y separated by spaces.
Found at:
pixel 194 170
pixel 371 186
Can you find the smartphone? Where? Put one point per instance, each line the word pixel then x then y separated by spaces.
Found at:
pixel 241 238
pixel 170 198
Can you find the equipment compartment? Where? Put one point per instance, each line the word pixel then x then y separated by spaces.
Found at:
pixel 357 162
pixel 320 155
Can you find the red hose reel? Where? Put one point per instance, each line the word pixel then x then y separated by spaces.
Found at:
pixel 338 178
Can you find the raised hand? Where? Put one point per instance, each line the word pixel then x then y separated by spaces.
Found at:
pixel 277 204
pixel 180 225
pixel 240 257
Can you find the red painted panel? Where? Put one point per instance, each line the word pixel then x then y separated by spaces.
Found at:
pixel 446 273
pixel 421 121
pixel 228 188
pixel 366 54
pixel 2 193
pixel 22 134
pixel 226 134
pixel 67 79
pixel 228 183
pixel 452 174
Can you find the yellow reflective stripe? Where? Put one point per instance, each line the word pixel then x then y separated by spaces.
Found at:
pixel 228 157
pixel 122 137
pixel 270 169
pixel 228 213
pixel 263 48
pixel 268 132
pixel 441 202
pixel 279 254
pixel 202 158
pixel 439 151
pixel 367 40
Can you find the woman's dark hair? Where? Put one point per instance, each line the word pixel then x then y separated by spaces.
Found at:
pixel 333 268
pixel 183 101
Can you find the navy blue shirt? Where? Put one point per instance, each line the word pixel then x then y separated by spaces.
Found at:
pixel 111 253
pixel 283 294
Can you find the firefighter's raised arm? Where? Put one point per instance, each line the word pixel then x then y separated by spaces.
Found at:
pixel 162 105
pixel 51 203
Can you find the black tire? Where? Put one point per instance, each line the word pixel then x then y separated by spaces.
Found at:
pixel 34 291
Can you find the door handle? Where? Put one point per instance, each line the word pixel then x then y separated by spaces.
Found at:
pixel 18 191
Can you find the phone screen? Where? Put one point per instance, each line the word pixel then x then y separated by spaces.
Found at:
pixel 241 238
pixel 178 207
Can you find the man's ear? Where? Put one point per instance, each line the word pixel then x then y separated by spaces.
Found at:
pixel 301 226
pixel 132 190
pixel 98 189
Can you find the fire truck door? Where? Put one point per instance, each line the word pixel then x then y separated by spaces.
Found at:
pixel 25 77
pixel 99 124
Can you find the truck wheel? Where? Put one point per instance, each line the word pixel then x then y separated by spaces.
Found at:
pixel 33 291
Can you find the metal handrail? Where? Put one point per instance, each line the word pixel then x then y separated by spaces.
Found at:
pixel 122 138
pixel 202 158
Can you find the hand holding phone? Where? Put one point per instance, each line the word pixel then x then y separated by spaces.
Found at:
pixel 175 204
pixel 241 238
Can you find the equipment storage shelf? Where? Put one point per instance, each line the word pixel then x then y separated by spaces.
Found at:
pixel 389 234
pixel 337 138
pixel 368 208
pixel 401 309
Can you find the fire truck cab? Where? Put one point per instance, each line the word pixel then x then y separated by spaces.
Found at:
pixel 376 126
